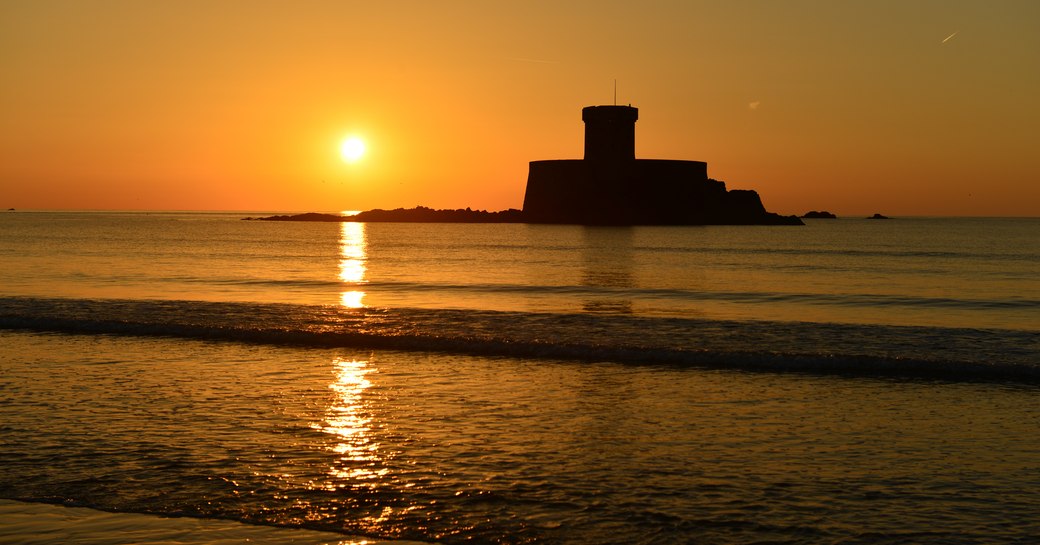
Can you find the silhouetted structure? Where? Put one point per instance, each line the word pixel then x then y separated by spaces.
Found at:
pixel 611 187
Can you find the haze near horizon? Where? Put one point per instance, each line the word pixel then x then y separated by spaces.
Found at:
pixel 923 108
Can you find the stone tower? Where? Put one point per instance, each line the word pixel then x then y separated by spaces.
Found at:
pixel 611 187
pixel 610 132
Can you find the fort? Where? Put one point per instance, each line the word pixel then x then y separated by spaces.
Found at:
pixel 609 186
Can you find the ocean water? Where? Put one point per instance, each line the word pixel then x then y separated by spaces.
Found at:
pixel 847 381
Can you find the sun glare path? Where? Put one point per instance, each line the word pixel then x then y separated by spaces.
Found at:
pixel 353 256
pixel 352 149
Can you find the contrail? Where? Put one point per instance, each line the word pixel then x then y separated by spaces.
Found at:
pixel 950 36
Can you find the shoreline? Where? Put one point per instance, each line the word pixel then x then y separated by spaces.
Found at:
pixel 43 523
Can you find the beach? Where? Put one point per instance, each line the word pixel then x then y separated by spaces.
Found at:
pixel 39 523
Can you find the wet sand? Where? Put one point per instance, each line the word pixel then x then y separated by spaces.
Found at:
pixel 39 523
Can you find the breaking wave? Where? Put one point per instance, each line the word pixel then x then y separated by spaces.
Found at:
pixel 912 351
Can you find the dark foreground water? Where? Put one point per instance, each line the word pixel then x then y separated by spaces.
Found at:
pixel 845 382
pixel 456 448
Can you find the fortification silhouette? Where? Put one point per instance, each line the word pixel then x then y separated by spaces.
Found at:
pixel 611 187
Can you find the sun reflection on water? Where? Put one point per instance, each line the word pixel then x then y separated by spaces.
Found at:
pixel 357 463
pixel 353 255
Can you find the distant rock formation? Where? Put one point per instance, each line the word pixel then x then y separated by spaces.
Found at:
pixel 611 187
pixel 878 217
pixel 419 214
pixel 309 216
pixel 821 214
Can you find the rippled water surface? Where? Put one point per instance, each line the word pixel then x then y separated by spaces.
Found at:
pixel 458 448
pixel 849 381
pixel 954 272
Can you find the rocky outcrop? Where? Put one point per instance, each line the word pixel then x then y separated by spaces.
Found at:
pixel 309 216
pixel 735 208
pixel 821 214
pixel 419 214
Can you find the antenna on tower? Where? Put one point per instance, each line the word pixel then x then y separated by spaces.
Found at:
pixel 615 92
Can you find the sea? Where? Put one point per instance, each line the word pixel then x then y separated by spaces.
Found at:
pixel 847 381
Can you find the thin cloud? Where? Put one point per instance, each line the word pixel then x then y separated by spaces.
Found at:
pixel 948 38
pixel 753 105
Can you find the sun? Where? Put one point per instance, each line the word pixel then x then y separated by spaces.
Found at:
pixel 352 149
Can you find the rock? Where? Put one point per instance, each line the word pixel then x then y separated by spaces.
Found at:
pixel 309 216
pixel 422 214
pixel 419 214
pixel 821 214
pixel 878 217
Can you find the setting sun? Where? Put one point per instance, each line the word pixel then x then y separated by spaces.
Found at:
pixel 352 149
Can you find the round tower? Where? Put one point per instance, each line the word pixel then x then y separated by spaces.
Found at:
pixel 610 132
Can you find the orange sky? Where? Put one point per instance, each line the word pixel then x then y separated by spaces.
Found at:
pixel 853 107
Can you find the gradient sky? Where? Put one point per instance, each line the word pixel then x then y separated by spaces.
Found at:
pixel 899 107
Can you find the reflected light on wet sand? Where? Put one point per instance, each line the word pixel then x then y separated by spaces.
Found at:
pixel 353 254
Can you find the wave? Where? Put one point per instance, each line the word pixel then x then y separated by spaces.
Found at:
pixel 874 350
pixel 623 292
pixel 974 254
pixel 855 300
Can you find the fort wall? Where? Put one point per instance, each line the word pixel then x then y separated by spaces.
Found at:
pixel 611 187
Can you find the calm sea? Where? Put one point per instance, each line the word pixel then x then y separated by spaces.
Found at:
pixel 848 381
